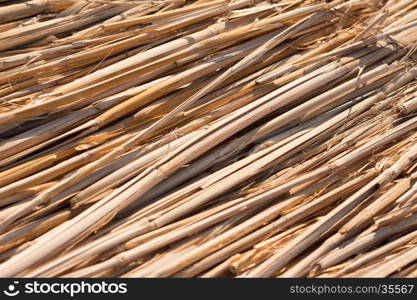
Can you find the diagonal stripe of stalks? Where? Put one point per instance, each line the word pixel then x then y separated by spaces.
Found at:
pixel 232 138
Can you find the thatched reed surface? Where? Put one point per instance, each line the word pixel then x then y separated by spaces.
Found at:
pixel 208 138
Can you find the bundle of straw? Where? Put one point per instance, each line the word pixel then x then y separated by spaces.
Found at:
pixel 208 138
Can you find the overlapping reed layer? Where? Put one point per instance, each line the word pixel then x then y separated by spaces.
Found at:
pixel 208 138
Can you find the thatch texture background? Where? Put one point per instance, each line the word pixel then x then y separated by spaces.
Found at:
pixel 208 138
